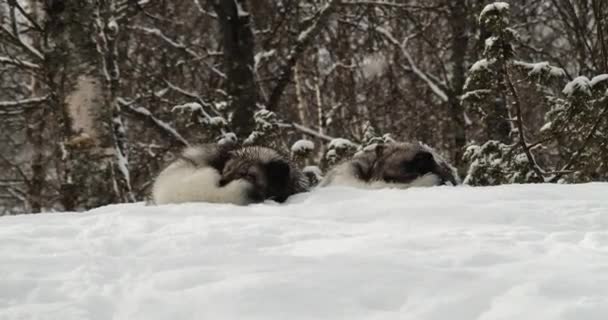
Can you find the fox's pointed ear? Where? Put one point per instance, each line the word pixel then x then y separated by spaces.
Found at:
pixel 278 171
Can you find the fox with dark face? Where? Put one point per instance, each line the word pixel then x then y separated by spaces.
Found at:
pixel 211 173
pixel 393 165
pixel 271 175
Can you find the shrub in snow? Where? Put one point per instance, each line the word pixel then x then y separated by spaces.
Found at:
pixel 370 136
pixel 492 94
pixel 485 90
pixel 266 127
pixel 301 150
pixel 492 12
pixel 578 126
pixel 495 163
pixel 302 146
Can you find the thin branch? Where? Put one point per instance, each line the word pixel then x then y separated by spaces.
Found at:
pixel 19 63
pixel 520 128
pixel 436 87
pixel 162 126
pixel 193 96
pixel 26 15
pixel 303 41
pixel 306 130
pixel 18 41
pixel 390 4
pixel 177 45
pixel 23 102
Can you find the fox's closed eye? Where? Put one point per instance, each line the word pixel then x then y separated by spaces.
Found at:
pixel 251 177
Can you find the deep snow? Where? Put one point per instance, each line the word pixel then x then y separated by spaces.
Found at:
pixel 509 252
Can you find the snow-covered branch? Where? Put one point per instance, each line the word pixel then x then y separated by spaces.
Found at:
pixel 22 102
pixel 200 9
pixel 389 4
pixel 19 63
pixel 177 45
pixel 193 96
pixel 145 114
pixel 18 41
pixel 306 130
pixel 174 43
pixel 25 14
pixel 520 130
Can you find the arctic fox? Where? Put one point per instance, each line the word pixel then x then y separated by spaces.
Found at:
pixel 211 173
pixel 393 165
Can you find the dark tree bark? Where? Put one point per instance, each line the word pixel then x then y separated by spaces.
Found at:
pixel 238 43
pixel 458 19
pixel 66 47
pixel 82 79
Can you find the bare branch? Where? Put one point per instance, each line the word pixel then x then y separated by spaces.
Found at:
pixel 23 102
pixel 304 39
pixel 520 128
pixel 437 88
pixel 306 130
pixel 19 42
pixel 19 63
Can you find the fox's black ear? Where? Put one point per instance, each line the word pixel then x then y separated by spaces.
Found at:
pixel 278 171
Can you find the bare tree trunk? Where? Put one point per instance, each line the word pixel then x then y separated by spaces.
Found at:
pixel 458 21
pixel 107 31
pixel 84 100
pixel 36 128
pixel 238 43
pixel 600 18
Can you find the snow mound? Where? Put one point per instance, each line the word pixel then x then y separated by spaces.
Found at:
pixel 579 84
pixel 539 68
pixel 302 146
pixel 341 144
pixel 483 64
pixel 190 106
pixel 508 252
pixel 493 8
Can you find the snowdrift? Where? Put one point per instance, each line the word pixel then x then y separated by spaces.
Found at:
pixel 508 252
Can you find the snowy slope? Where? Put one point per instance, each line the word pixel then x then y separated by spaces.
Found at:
pixel 510 252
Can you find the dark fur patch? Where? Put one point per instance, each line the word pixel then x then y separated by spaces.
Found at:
pixel 271 174
pixel 278 173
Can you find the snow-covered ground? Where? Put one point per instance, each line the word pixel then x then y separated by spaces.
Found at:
pixel 510 252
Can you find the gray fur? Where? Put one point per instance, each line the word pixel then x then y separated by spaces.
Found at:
pixel 211 173
pixel 393 165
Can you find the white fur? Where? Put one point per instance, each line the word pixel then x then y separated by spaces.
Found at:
pixel 343 175
pixel 182 182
